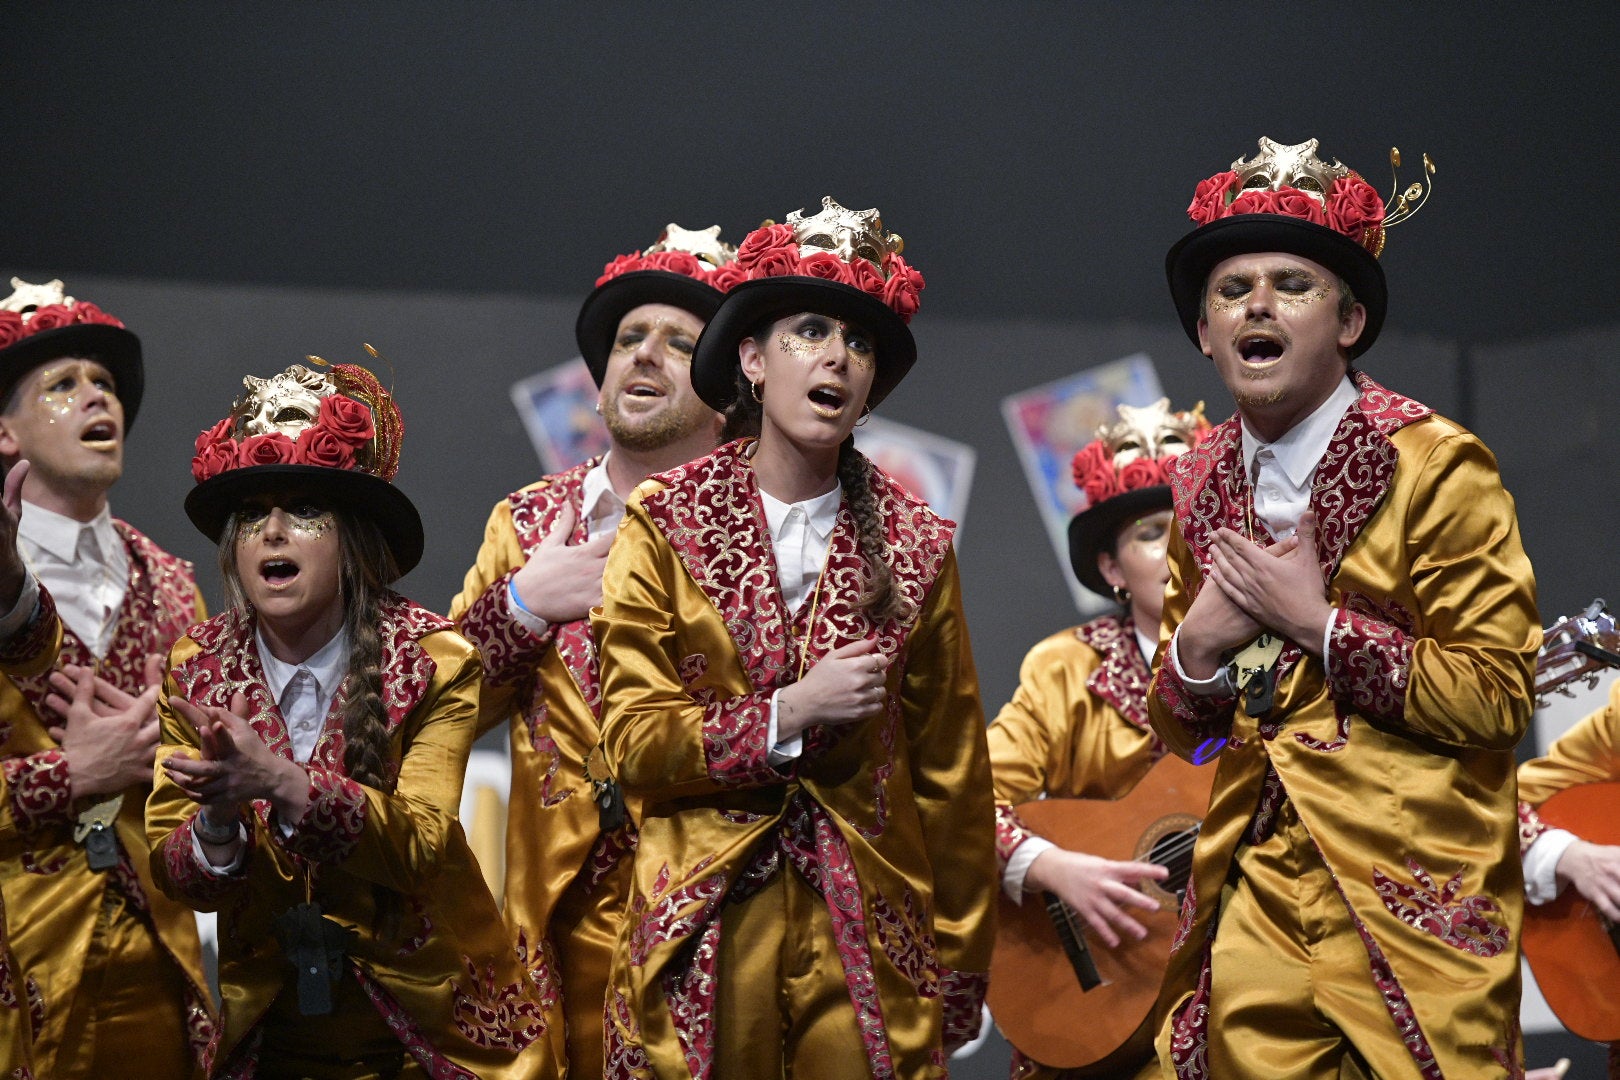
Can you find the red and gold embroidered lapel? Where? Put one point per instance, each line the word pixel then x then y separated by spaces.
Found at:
pixel 534 513
pixel 1122 677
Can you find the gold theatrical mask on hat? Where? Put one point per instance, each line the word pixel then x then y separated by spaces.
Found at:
pixel 287 402
pixel 1153 432
pixel 704 245
pixel 849 234
pixel 1277 167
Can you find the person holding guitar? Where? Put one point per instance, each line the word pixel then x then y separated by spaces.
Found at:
pixel 1353 631
pixel 1556 859
pixel 1077 727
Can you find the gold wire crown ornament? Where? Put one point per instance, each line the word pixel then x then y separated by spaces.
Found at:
pixel 846 233
pixel 1406 203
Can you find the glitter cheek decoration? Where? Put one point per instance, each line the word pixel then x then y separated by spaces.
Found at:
pixel 249 530
pixel 57 405
pixel 314 527
pixel 796 346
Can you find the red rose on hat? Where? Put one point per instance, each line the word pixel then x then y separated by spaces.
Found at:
pixel 1102 486
pixel 1353 207
pixel 622 265
pixel 866 277
pixel 1141 473
pixel 319 445
pixel 765 241
pixel 1209 199
pixel 727 276
pixel 825 265
pixel 901 291
pixel 1297 204
pixel 273 448
pixel 1255 201
pixel 50 317
pixel 11 328
pixel 1090 460
pixel 216 452
pixel 676 262
pixel 346 418
pixel 86 312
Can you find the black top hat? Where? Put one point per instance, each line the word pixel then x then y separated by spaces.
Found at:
pixel 1093 529
pixel 118 350
pixel 753 304
pixel 1200 251
pixel 599 316
pixel 230 467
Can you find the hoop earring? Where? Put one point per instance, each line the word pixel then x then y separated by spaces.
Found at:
pixel 866 414
pixel 756 392
pixel 1122 596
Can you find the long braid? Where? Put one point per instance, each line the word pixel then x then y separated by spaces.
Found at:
pixel 367 566
pixel 881 599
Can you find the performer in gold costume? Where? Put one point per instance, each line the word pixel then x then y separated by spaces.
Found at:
pixel 1077 727
pixel 1555 859
pixel 789 690
pixel 1347 563
pixel 315 736
pixel 539 572
pixel 29 650
pixel 117 964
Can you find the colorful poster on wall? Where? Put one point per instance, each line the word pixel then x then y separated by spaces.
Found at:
pixel 558 409
pixel 1049 423
pixel 933 468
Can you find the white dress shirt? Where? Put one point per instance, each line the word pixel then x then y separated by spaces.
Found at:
pixel 1280 475
pixel 800 535
pixel 1541 865
pixel 85 566
pixel 603 510
pixel 1012 878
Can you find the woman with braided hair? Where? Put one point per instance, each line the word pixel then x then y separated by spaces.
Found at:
pixel 789 691
pixel 315 736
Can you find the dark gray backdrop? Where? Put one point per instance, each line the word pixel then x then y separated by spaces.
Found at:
pixel 249 183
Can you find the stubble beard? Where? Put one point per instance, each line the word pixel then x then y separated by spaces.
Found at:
pixel 650 433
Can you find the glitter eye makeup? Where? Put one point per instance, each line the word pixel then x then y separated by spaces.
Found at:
pixel 794 345
pixel 58 404
pixel 312 527
pixel 247 530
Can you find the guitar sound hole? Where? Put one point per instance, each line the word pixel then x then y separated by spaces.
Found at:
pixel 1174 851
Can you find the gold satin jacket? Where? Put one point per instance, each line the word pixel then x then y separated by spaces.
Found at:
pixel 1397 751
pixel 894 815
pixel 547 690
pixel 52 896
pixel 1588 753
pixel 29 653
pixel 1077 726
pixel 450 982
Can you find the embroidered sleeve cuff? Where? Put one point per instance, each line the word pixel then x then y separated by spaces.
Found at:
pixel 1531 827
pixel 1217 685
pixel 332 823
pixel 736 745
pixel 1368 662
pixel 1203 716
pixel 188 870
pixel 1541 865
pixel 31 636
pixel 41 790
pixel 1013 877
pixel 1010 832
pixel 510 649
pixel 962 998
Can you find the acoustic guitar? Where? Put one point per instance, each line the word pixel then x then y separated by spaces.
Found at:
pixel 1061 999
pixel 1572 949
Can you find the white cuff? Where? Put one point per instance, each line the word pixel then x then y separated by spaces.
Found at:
pixel 230 868
pixel 1541 865
pixel 22 612
pixel 525 618
pixel 1327 635
pixel 1012 878
pixel 1217 685
pixel 781 752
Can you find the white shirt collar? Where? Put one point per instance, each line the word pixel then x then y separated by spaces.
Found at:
pixel 821 512
pixel 1302 446
pixel 596 495
pixel 58 534
pixel 1148 644
pixel 328 665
